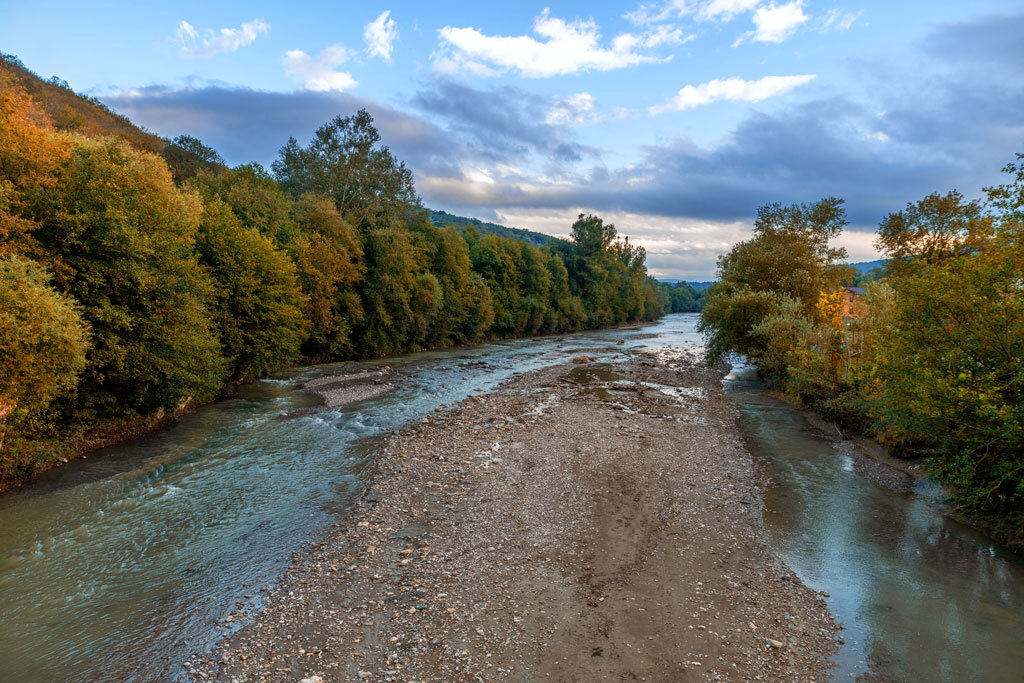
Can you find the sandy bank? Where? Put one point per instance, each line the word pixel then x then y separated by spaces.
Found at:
pixel 582 523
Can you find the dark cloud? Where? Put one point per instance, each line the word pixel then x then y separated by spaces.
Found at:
pixel 994 40
pixel 251 125
pixel 500 124
pixel 953 125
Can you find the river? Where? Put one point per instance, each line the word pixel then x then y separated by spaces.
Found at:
pixel 122 565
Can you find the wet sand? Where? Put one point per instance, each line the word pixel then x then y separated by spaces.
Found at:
pixel 581 523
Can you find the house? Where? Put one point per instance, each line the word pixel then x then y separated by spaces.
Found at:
pixel 853 302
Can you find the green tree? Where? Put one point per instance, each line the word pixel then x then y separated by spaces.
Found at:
pixel 787 259
pixel 258 302
pixel 256 199
pixel 345 162
pixel 118 237
pixel 187 157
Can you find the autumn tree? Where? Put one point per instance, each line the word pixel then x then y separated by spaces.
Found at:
pixel 42 347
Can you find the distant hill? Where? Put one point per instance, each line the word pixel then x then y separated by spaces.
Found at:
pixel 865 266
pixel 443 218
pixel 77 113
pixel 696 285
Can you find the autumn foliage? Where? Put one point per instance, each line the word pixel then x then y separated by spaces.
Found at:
pixel 138 279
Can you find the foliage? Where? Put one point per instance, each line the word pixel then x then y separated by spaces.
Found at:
pixel 787 262
pixel 190 277
pixel 930 359
pixel 187 157
pixel 257 306
pixel 344 161
pixel 42 350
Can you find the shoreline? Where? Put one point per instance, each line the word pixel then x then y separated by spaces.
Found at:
pixel 586 520
pixel 122 431
pixel 870 449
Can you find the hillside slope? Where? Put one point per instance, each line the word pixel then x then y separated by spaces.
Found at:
pixel 443 218
pixel 77 113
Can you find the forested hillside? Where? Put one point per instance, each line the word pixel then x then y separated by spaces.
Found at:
pixel 139 277
pixel 928 357
pixel 443 218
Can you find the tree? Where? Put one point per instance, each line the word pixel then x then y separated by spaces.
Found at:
pixel 188 156
pixel 42 348
pixel 258 303
pixel 256 199
pixel 787 260
pixel 345 162
pixel 933 230
pixel 117 236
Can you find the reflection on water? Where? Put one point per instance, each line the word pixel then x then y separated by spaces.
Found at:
pixel 922 597
pixel 119 566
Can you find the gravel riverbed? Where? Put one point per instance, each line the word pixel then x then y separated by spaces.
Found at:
pixel 586 522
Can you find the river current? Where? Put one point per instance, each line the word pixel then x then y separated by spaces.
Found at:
pixel 122 565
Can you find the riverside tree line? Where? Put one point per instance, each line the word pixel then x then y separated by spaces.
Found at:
pixel 929 359
pixel 134 284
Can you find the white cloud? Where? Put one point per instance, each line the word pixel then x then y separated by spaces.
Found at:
pixel 838 20
pixel 657 12
pixel 561 47
pixel 774 23
pixel 734 89
pixel 318 73
pixel 380 35
pixel 725 10
pixel 215 42
pixel 572 111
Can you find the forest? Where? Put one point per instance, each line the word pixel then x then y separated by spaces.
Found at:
pixel 927 355
pixel 137 284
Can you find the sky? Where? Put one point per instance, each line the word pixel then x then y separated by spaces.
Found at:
pixel 672 119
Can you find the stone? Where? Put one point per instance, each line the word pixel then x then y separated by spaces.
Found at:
pixel 581 359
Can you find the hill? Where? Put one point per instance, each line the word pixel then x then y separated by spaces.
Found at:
pixel 443 218
pixel 76 113
pixel 864 266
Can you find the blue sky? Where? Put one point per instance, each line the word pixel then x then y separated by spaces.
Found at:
pixel 673 119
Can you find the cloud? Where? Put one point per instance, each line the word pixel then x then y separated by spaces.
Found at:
pixel 504 125
pixel 380 36
pixel 838 20
pixel 572 111
pixel 318 73
pixel 657 12
pixel 215 42
pixel 734 89
pixel 560 47
pixel 223 117
pixel 774 23
pixel 725 10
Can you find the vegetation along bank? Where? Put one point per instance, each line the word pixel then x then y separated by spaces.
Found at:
pixel 139 277
pixel 927 356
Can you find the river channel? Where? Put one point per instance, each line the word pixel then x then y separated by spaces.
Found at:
pixel 122 565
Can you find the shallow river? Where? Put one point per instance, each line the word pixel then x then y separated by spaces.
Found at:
pixel 118 567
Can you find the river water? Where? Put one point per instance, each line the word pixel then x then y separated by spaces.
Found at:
pixel 120 566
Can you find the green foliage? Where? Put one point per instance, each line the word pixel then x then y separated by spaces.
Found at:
pixel 680 298
pixel 462 224
pixel 345 162
pixel 257 306
pixel 257 200
pixel 931 360
pixel 788 261
pixel 188 288
pixel 42 349
pixel 118 238
pixel 187 157
pixel 948 376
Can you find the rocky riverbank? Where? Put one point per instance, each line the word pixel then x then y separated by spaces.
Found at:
pixel 585 522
